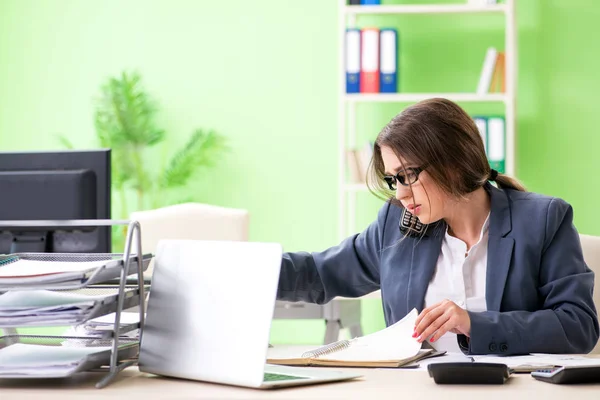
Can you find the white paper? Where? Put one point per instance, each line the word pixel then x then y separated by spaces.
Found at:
pixel 392 343
pixel 96 327
pixel 41 299
pixel 448 357
pixel 538 360
pixel 109 319
pixel 29 308
pixel 28 358
pixel 28 268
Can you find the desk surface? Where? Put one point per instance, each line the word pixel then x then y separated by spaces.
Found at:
pixel 384 383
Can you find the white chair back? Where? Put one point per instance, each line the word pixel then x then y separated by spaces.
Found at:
pixel 193 221
pixel 591 254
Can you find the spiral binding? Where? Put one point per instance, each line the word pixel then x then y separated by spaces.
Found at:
pixel 328 349
pixel 8 260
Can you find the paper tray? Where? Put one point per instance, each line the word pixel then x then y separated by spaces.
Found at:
pixel 103 306
pixel 91 363
pixel 73 280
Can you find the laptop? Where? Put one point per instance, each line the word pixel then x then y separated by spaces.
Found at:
pixel 209 316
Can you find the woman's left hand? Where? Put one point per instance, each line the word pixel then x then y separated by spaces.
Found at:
pixel 440 318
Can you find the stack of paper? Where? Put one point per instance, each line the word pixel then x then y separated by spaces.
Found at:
pixel 30 360
pixel 97 327
pixel 43 307
pixel 105 323
pixel 535 361
pixel 16 272
pixel 33 271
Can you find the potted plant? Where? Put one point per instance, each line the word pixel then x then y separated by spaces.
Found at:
pixel 124 121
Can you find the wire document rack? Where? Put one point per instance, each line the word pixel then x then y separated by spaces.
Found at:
pixel 107 285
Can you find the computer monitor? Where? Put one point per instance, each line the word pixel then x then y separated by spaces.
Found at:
pixel 60 185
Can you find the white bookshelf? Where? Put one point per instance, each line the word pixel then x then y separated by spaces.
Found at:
pixel 348 15
pixel 415 97
pixel 355 187
pixel 425 9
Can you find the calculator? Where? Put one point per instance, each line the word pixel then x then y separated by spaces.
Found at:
pixel 569 374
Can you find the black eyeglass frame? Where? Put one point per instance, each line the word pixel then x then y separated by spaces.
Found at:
pixel 392 179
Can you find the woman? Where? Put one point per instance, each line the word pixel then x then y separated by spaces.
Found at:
pixel 496 270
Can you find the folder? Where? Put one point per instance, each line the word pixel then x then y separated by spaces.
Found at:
pixel 498 84
pixel 370 2
pixel 388 60
pixel 352 60
pixel 496 143
pixel 481 123
pixel 485 78
pixel 369 63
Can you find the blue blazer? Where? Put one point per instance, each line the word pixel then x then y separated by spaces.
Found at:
pixel 538 287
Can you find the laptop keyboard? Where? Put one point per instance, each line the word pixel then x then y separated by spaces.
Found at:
pixel 280 377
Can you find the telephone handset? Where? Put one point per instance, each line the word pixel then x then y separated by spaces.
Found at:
pixel 411 226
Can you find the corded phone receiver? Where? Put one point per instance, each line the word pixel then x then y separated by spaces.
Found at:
pixel 411 226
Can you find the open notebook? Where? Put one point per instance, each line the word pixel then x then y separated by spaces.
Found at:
pixel 393 346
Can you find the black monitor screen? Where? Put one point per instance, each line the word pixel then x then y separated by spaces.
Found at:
pixel 55 186
pixel 39 195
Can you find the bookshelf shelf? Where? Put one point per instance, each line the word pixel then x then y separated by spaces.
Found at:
pixel 356 187
pixel 425 9
pixel 415 97
pixel 348 104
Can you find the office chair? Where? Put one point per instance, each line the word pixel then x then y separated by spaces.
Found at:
pixel 591 254
pixel 193 221
pixel 196 221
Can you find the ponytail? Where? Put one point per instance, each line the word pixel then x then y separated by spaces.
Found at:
pixel 508 182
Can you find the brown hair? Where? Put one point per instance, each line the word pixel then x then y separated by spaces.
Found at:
pixel 441 135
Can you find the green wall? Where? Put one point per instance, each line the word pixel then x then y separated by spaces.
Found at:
pixel 264 74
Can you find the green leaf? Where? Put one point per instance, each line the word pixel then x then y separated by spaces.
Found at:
pixel 125 113
pixel 65 142
pixel 201 150
pixel 125 122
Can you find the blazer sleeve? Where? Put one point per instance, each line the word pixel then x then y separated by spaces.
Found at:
pixel 350 269
pixel 567 321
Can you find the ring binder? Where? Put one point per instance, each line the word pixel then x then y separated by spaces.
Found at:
pixel 328 349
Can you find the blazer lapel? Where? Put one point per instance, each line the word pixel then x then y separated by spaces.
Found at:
pixel 425 253
pixel 500 248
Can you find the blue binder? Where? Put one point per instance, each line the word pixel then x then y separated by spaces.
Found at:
pixel 370 2
pixel 352 60
pixel 388 62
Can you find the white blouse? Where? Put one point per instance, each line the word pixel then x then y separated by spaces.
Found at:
pixel 459 277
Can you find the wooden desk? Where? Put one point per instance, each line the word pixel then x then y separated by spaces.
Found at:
pixel 384 383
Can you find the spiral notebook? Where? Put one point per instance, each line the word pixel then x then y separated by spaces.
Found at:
pixel 391 347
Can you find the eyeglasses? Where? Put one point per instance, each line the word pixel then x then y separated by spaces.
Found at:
pixel 404 177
